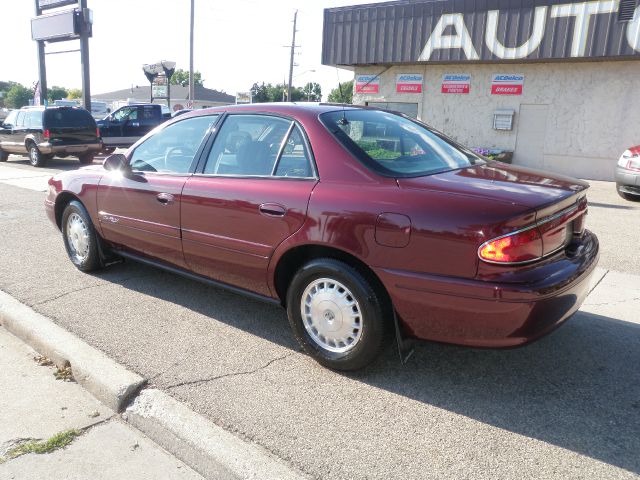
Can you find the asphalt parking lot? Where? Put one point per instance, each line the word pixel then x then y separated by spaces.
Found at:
pixel 567 406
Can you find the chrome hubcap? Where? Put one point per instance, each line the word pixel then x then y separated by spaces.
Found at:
pixel 34 155
pixel 78 236
pixel 331 315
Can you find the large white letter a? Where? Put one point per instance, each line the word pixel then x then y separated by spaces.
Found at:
pixel 462 38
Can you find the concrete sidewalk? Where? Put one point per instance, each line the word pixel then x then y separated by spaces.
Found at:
pixel 35 407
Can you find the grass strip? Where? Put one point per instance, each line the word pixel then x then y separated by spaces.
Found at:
pixel 58 441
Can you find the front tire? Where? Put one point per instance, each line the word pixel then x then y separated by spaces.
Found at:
pixel 80 238
pixel 36 158
pixel 337 315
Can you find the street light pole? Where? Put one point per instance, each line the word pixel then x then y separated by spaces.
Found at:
pixel 191 79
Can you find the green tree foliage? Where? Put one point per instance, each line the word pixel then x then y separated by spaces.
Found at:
pixel 18 96
pixel 312 92
pixel 181 77
pixel 342 95
pixel 56 93
pixel 74 93
pixel 267 92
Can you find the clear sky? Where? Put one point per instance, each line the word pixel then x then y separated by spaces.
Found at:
pixel 237 43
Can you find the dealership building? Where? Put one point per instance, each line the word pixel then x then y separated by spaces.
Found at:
pixel 557 84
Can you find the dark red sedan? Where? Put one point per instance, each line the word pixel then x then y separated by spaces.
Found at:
pixel 355 220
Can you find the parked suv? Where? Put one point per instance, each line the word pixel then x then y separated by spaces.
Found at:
pixel 44 132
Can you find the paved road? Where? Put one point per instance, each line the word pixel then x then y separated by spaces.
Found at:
pixel 564 407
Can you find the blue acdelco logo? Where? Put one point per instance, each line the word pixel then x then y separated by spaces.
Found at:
pixel 508 78
pixel 366 78
pixel 410 78
pixel 457 78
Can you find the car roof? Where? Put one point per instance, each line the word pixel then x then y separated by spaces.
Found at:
pixel 280 107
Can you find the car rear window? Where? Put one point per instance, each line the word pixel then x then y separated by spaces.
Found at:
pixel 68 118
pixel 396 146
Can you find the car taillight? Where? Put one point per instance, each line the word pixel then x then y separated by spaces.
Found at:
pixel 46 134
pixel 517 247
pixel 98 132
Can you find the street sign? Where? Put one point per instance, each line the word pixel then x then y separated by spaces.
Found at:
pixel 46 4
pixel 56 26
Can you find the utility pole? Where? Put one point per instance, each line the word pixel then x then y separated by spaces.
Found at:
pixel 84 54
pixel 191 79
pixel 293 51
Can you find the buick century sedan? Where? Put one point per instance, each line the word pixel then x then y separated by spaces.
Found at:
pixel 363 224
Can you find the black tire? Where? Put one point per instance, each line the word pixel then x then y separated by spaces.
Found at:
pixel 372 307
pixel 4 156
pixel 87 259
pixel 86 159
pixel 36 158
pixel 628 196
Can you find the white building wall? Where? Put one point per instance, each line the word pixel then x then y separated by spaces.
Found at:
pixel 593 109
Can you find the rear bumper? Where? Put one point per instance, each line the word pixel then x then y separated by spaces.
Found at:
pixel 493 314
pixel 73 149
pixel 627 181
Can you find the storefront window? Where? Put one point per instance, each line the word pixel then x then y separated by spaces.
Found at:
pixel 409 109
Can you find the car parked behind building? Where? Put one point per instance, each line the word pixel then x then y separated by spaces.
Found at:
pixel 628 174
pixel 43 133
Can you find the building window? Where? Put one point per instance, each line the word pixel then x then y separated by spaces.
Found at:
pixel 409 109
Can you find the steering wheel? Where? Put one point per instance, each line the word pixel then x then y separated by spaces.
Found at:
pixel 180 151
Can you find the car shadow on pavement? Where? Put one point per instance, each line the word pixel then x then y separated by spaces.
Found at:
pixel 57 164
pixel 577 388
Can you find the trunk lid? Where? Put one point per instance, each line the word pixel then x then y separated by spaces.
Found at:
pixel 504 183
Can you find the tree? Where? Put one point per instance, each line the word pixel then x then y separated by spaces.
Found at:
pixel 259 93
pixel 56 93
pixel 267 92
pixel 18 96
pixel 312 92
pixel 343 93
pixel 181 77
pixel 74 93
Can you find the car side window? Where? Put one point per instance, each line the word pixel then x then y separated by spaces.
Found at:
pixel 294 160
pixel 34 120
pixel 172 149
pixel 20 119
pixel 247 145
pixel 122 114
pixel 11 119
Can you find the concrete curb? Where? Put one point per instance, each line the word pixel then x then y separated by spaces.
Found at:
pixel 207 448
pixel 106 380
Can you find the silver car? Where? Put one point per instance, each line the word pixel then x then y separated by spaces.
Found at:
pixel 628 174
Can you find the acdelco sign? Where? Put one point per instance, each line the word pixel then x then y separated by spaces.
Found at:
pixel 511 84
pixel 454 31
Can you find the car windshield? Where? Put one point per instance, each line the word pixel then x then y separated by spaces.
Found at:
pixel 68 118
pixel 395 146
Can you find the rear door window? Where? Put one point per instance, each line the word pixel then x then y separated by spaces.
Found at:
pixel 68 118
pixel 34 120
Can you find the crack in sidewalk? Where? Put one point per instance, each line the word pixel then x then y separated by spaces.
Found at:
pixel 42 302
pixel 235 374
pixel 616 302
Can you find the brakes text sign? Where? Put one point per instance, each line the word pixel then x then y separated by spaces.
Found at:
pixel 409 83
pixel 507 84
pixel 456 83
pixel 367 84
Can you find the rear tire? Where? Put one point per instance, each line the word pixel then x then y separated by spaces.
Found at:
pixel 36 158
pixel 80 237
pixel 86 159
pixel 4 156
pixel 337 315
pixel 628 196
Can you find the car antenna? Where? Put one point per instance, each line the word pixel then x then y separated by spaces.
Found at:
pixel 343 120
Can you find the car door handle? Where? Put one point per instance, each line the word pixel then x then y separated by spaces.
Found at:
pixel 272 210
pixel 165 198
pixel 135 124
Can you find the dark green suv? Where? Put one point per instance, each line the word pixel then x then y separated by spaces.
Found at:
pixel 43 133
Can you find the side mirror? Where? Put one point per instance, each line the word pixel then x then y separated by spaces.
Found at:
pixel 117 161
